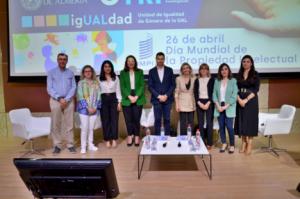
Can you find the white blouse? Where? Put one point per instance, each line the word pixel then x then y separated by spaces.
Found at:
pixel 203 92
pixel 223 90
pixel 132 80
pixel 111 87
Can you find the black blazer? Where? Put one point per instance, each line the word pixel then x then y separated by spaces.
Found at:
pixel 166 87
pixel 210 89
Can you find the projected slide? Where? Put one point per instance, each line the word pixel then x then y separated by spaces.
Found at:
pixel 193 31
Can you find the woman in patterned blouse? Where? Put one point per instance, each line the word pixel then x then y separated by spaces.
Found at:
pixel 88 105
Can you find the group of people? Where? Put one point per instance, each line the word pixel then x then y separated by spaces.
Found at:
pixel 233 101
pixel 105 95
pixel 225 97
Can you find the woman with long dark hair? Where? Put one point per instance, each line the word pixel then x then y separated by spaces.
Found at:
pixel 224 97
pixel 111 103
pixel 133 98
pixel 246 123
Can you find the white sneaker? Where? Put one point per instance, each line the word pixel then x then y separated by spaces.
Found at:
pixel 92 148
pixel 83 151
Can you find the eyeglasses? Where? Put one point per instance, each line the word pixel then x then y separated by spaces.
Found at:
pixel 87 71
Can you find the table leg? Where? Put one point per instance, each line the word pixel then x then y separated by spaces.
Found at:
pixel 140 168
pixel 210 165
pixel 209 172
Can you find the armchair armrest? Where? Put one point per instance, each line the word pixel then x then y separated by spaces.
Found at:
pixel 19 130
pixel 39 126
pixel 277 126
pixel 40 123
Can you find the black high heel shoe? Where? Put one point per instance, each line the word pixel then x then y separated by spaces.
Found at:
pixel 136 144
pixel 130 144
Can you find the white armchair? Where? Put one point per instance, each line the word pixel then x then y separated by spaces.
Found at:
pixel 25 126
pixel 147 118
pixel 276 124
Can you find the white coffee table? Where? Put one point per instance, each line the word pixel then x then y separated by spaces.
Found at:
pixel 172 148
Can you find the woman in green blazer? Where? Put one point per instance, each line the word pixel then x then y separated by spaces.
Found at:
pixel 133 98
pixel 224 97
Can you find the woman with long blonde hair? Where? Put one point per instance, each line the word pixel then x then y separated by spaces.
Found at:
pixel 184 97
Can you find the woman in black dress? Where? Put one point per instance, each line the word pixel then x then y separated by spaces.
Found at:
pixel 246 122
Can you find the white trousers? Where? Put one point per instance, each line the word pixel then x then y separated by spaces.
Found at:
pixel 87 129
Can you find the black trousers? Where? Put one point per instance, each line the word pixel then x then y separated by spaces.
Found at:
pixel 186 118
pixel 109 116
pixel 206 133
pixel 132 115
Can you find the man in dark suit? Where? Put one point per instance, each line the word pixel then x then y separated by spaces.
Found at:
pixel 161 85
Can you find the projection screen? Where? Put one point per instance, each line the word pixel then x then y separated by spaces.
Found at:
pixel 193 31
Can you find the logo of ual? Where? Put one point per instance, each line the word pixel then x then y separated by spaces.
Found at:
pixel 146 47
pixel 31 4
pixel 142 2
pixel 110 2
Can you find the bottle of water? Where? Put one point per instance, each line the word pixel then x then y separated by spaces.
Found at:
pixel 189 132
pixel 147 138
pixel 193 147
pixel 154 144
pixel 162 131
pixel 198 138
pixel 147 142
pixel 148 132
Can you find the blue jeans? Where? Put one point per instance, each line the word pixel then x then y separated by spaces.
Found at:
pixel 162 110
pixel 224 121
